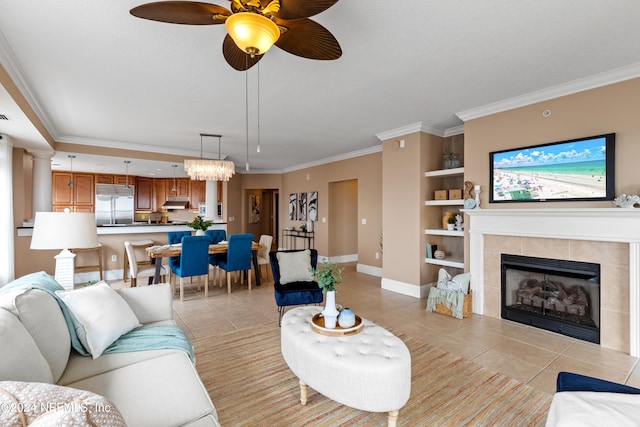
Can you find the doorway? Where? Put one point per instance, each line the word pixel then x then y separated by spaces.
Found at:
pixel 343 219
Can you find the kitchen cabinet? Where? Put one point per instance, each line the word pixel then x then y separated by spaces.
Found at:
pixel 182 187
pixel 198 193
pixel 160 191
pixel 79 197
pixel 124 179
pixel 102 178
pixel 144 197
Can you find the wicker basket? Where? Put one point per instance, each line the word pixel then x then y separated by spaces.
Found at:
pixel 467 307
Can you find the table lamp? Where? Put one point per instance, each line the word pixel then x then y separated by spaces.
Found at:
pixel 64 230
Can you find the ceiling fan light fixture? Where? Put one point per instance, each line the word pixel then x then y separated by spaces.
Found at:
pixel 251 32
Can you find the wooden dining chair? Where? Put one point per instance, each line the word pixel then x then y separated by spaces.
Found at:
pixel 238 257
pixel 263 253
pixel 140 265
pixel 193 261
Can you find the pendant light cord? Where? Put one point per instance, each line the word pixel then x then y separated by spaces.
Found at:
pixel 258 148
pixel 246 109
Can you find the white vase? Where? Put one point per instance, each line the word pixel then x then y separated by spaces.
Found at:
pixel 309 225
pixel 330 313
pixel 200 233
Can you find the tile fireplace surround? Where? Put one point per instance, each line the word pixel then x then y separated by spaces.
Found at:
pixel 607 236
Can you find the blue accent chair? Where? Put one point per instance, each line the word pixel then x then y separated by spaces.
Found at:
pixel 193 261
pixel 174 237
pixel 238 257
pixel 294 293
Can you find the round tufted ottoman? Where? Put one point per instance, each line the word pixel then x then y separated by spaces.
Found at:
pixel 369 371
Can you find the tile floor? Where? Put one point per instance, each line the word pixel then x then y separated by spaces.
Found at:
pixel 527 354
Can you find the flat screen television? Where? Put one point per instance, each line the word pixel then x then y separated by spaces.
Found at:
pixel 580 169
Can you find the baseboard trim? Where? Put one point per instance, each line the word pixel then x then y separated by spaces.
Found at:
pixel 369 269
pixel 405 288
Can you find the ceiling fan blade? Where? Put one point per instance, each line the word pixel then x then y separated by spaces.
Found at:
pixel 298 9
pixel 237 58
pixel 182 12
pixel 308 39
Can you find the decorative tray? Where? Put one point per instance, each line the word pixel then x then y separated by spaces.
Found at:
pixel 317 325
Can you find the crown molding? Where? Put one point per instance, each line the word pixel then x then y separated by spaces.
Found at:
pixel 419 127
pixel 597 80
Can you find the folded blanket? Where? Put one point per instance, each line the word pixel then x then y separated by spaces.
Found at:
pixel 152 337
pixel 454 301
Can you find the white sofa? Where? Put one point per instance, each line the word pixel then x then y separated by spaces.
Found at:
pixel 158 387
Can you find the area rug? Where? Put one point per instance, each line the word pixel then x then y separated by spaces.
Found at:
pixel 251 385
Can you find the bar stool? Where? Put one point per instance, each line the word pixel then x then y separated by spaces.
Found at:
pixel 91 267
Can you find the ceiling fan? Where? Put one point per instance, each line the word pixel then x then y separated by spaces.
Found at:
pixel 253 26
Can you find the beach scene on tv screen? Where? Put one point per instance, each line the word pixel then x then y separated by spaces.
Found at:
pixel 558 171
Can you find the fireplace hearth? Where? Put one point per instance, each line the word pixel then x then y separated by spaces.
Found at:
pixel 557 295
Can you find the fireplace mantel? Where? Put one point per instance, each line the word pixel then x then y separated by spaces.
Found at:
pixel 590 224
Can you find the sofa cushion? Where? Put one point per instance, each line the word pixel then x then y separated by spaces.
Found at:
pixel 173 393
pixel 48 405
pixel 41 316
pixel 81 367
pixel 100 315
pixel 20 357
pixel 295 266
pixel 149 303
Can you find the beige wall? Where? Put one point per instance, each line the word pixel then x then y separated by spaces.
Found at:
pixel 343 204
pixel 612 108
pixel 404 214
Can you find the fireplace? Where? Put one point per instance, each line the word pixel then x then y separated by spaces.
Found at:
pixel 557 295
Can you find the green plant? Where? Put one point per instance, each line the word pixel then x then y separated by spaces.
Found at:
pixel 328 276
pixel 199 223
pixel 451 220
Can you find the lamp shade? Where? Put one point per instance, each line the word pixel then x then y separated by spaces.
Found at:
pixel 64 230
pixel 251 32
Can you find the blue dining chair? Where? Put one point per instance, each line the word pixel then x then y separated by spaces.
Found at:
pixel 174 237
pixel 193 261
pixel 238 257
pixel 216 236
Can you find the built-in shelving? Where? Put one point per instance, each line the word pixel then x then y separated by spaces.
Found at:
pixel 447 262
pixel 438 232
pixel 446 179
pixel 444 172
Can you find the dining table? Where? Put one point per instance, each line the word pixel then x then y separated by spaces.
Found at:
pixel 158 252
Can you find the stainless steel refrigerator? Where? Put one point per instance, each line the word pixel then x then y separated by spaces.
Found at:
pixel 114 204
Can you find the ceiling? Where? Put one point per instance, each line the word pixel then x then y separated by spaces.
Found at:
pixel 95 75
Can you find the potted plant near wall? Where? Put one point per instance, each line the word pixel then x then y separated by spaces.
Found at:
pixel 199 224
pixel 328 276
pixel 451 221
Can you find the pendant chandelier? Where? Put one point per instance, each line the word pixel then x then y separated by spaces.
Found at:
pixel 209 170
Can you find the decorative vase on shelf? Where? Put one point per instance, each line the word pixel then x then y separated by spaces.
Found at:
pixel 200 233
pixel 330 313
pixel 309 226
pixel 347 318
pixel 451 227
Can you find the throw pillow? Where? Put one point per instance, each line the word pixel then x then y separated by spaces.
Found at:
pixel 48 405
pixel 21 359
pixel 459 283
pixel 295 266
pixel 41 316
pixel 100 316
